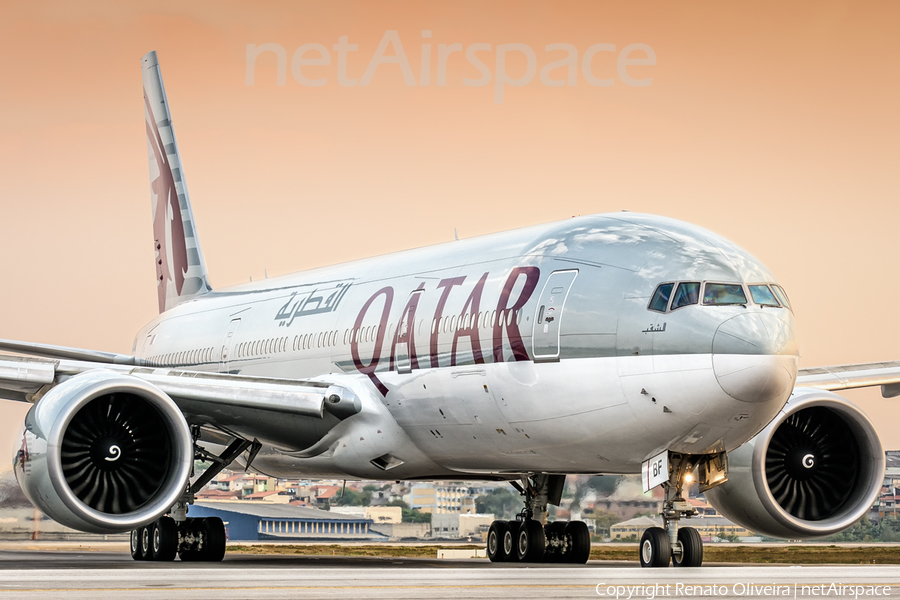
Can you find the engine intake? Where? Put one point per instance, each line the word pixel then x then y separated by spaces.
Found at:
pixel 104 452
pixel 812 472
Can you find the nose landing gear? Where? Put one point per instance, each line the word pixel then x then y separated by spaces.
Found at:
pixel 682 545
pixel 530 538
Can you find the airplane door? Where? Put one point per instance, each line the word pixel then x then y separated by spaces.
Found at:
pixel 226 345
pixel 545 338
pixel 404 335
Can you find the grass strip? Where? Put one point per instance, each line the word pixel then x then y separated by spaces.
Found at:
pixel 787 554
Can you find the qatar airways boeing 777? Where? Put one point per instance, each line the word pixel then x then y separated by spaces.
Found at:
pixel 607 344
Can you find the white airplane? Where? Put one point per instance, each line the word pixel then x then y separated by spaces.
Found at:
pixel 607 344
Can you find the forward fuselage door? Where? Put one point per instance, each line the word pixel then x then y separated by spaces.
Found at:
pixel 225 356
pixel 547 319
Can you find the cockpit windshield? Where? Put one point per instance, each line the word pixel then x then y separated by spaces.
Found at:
pixel 724 293
pixel 762 295
pixel 782 296
pixel 671 296
pixel 660 299
pixel 688 292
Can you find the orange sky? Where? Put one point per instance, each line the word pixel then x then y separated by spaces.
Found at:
pixel 772 124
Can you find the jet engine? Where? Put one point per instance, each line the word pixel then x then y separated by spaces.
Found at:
pixel 104 452
pixel 813 471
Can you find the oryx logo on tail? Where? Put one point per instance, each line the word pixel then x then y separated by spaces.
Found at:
pixel 178 257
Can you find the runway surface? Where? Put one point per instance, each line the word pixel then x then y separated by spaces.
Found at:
pixel 81 575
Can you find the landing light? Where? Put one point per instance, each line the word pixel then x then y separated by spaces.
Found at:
pixel 688 478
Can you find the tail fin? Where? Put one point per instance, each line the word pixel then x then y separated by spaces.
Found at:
pixel 180 268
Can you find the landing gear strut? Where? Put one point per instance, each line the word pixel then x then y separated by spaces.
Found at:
pixel 683 545
pixel 179 535
pixel 530 538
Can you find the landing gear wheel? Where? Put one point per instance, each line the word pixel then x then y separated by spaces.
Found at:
pixel 190 527
pixel 496 550
pixel 164 539
pixel 557 549
pixel 580 537
pixel 136 544
pixel 655 548
pixel 530 541
pixel 509 541
pixel 146 551
pixel 691 548
pixel 214 549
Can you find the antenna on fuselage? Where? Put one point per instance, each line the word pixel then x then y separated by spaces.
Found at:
pixel 455 234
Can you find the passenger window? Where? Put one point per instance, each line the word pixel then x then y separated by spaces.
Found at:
pixel 762 295
pixel 779 291
pixel 660 299
pixel 686 294
pixel 724 293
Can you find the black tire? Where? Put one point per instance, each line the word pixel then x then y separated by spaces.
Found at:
pixel 555 531
pixel 146 551
pixel 164 539
pixel 495 550
pixel 190 526
pixel 691 548
pixel 214 548
pixel 509 541
pixel 580 536
pixel 655 549
pixel 530 541
pixel 136 544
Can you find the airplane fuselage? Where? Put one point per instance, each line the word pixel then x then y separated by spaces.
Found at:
pixel 526 351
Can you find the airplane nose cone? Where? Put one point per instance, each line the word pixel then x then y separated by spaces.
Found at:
pixel 755 356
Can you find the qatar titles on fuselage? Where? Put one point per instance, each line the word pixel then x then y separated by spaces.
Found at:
pixel 530 350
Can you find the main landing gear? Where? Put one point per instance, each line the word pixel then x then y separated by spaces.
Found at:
pixel 177 534
pixel 191 540
pixel 530 538
pixel 682 545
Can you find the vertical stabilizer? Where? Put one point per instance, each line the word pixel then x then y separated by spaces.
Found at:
pixel 180 268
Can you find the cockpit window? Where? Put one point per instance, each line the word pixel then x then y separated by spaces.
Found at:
pixel 762 295
pixel 724 293
pixel 660 299
pixel 782 296
pixel 687 293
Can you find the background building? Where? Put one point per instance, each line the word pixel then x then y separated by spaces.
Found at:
pixel 709 528
pixel 267 521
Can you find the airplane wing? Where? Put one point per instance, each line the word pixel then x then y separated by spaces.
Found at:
pixel 25 379
pixel 50 351
pixel 845 377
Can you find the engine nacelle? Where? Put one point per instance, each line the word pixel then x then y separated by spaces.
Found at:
pixel 104 453
pixel 813 471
